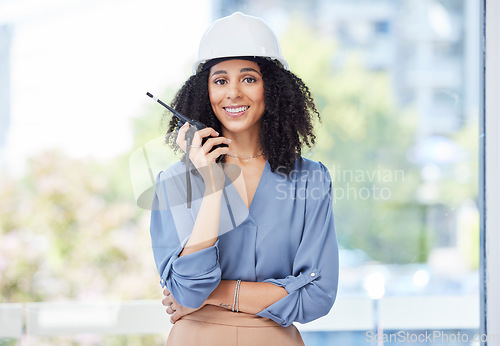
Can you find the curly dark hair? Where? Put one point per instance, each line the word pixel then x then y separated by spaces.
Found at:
pixel 287 122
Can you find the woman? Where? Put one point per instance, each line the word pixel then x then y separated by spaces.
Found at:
pixel 257 250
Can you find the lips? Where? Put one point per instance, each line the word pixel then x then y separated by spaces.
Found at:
pixel 236 111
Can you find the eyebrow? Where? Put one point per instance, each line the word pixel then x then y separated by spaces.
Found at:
pixel 249 69
pixel 219 72
pixel 245 69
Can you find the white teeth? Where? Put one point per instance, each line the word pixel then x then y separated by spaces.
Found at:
pixel 237 109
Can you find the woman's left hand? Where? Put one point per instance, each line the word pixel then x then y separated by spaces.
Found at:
pixel 174 309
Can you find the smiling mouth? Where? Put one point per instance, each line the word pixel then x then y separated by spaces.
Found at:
pixel 234 112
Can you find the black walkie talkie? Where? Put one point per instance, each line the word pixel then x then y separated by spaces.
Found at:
pixel 194 125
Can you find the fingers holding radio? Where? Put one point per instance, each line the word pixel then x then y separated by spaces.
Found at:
pixel 203 143
pixel 181 136
pixel 203 133
pixel 206 147
pixel 186 131
pixel 213 148
pixel 208 153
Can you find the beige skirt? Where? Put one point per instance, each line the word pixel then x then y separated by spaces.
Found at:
pixel 216 326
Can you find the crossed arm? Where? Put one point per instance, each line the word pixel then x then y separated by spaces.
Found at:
pixel 253 297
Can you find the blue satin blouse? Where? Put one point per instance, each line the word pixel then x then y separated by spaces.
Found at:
pixel 287 237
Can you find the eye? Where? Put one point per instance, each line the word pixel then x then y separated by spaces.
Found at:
pixel 249 80
pixel 220 81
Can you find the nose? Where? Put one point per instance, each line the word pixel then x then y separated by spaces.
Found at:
pixel 233 91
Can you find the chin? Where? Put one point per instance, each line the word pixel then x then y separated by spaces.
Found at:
pixel 235 129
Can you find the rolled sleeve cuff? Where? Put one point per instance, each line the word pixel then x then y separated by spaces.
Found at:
pixel 268 314
pixel 198 263
pixel 192 278
pixel 293 283
pixel 194 265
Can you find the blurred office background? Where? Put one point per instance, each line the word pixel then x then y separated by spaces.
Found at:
pixel 397 85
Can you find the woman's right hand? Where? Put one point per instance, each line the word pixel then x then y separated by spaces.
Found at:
pixel 202 156
pixel 174 309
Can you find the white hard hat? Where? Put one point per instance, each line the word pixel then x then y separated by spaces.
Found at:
pixel 239 35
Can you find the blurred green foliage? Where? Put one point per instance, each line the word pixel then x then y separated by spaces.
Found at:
pixel 70 230
pixel 8 342
pixel 363 139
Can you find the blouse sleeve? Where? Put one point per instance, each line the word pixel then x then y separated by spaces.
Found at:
pixel 190 278
pixel 312 288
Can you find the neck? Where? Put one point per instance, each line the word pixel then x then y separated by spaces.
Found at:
pixel 245 144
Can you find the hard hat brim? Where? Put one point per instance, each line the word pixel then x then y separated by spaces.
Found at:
pixel 203 66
